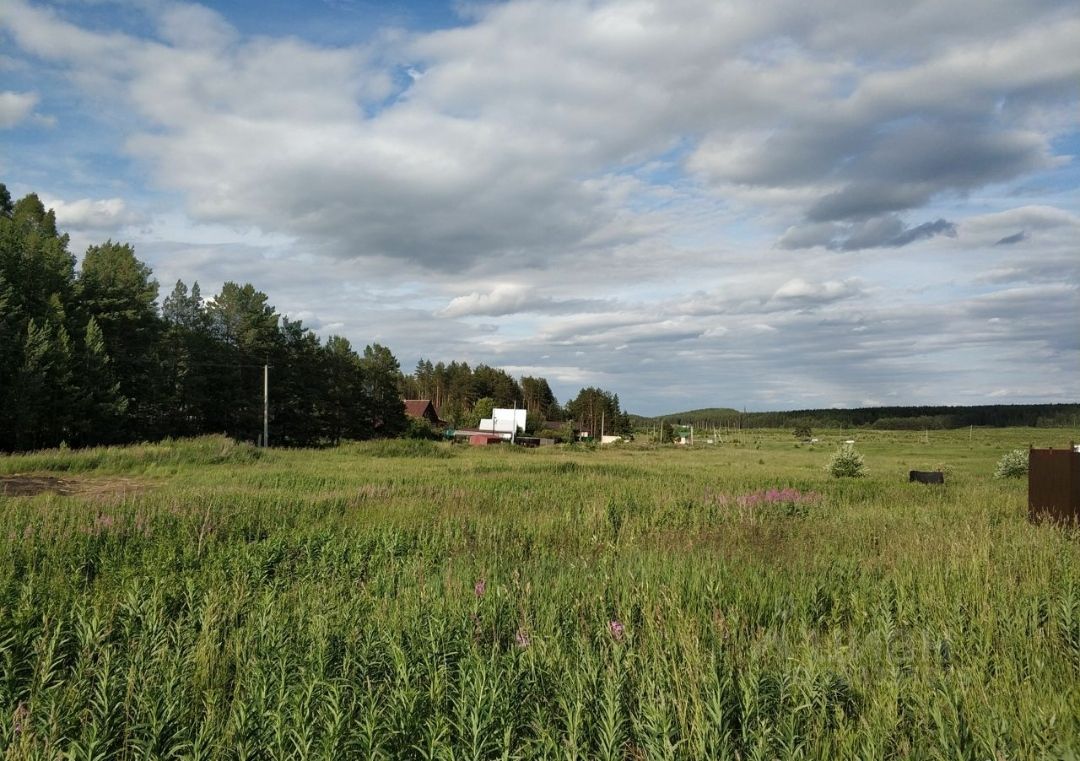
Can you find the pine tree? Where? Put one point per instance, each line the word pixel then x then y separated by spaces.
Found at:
pixel 344 408
pixel 101 412
pixel 43 388
pixel 381 384
pixel 117 290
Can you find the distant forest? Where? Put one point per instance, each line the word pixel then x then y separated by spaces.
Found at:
pixel 87 356
pixel 889 418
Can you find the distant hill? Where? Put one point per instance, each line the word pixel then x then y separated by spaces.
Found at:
pixel 892 418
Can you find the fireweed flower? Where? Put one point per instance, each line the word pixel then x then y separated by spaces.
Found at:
pixel 19 718
pixel 522 638
pixel 617 630
pixel 786 496
pixel 480 587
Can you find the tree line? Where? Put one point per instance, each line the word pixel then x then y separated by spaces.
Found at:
pixel 887 418
pixel 88 356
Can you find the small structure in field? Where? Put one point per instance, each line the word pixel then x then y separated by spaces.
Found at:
pixel 610 439
pixel 926 477
pixel 1054 484
pixel 484 439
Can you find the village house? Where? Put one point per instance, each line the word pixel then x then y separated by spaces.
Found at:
pixel 423 409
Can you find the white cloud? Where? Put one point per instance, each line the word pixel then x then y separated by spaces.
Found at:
pixel 989 228
pixel 799 291
pixel 505 298
pixel 496 150
pixel 601 184
pixel 15 107
pixel 515 298
pixel 92 214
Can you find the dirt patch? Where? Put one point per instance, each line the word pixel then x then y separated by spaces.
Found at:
pixel 27 486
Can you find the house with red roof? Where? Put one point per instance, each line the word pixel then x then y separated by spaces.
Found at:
pixel 423 409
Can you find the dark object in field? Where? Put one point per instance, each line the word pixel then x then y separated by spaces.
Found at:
pixel 18 485
pixel 27 486
pixel 1054 485
pixel 926 477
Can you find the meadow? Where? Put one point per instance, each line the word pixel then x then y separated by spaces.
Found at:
pixel 399 599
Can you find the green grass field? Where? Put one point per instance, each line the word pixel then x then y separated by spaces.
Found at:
pixel 200 599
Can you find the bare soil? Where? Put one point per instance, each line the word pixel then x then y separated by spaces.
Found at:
pixel 27 486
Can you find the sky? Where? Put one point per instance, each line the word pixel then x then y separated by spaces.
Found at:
pixel 769 204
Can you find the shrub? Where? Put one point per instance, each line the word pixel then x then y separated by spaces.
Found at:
pixel 846 463
pixel 1013 465
pixel 560 436
pixel 404 448
pixel 419 428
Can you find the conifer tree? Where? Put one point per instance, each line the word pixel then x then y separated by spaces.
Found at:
pixel 100 416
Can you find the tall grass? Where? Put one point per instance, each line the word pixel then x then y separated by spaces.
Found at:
pixel 483 604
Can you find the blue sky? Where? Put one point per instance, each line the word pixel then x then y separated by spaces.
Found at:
pixel 760 204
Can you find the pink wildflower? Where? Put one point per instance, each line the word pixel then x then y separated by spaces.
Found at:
pixel 785 496
pixel 522 638
pixel 19 718
pixel 617 630
pixel 480 587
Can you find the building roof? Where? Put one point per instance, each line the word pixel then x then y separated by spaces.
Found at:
pixel 422 408
pixel 418 407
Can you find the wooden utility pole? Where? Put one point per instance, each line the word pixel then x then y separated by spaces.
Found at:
pixel 266 406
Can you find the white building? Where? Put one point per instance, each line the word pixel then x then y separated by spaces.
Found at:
pixel 504 421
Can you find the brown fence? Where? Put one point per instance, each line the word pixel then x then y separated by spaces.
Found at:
pixel 1054 484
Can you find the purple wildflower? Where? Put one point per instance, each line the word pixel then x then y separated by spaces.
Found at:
pixel 102 523
pixel 786 496
pixel 617 630
pixel 522 638
pixel 142 523
pixel 19 718
pixel 480 587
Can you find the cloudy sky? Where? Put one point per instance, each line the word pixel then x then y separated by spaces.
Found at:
pixel 761 203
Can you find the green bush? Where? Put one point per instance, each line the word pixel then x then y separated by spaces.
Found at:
pixel 419 428
pixel 1013 464
pixel 560 436
pixel 846 463
pixel 404 448
pixel 165 455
